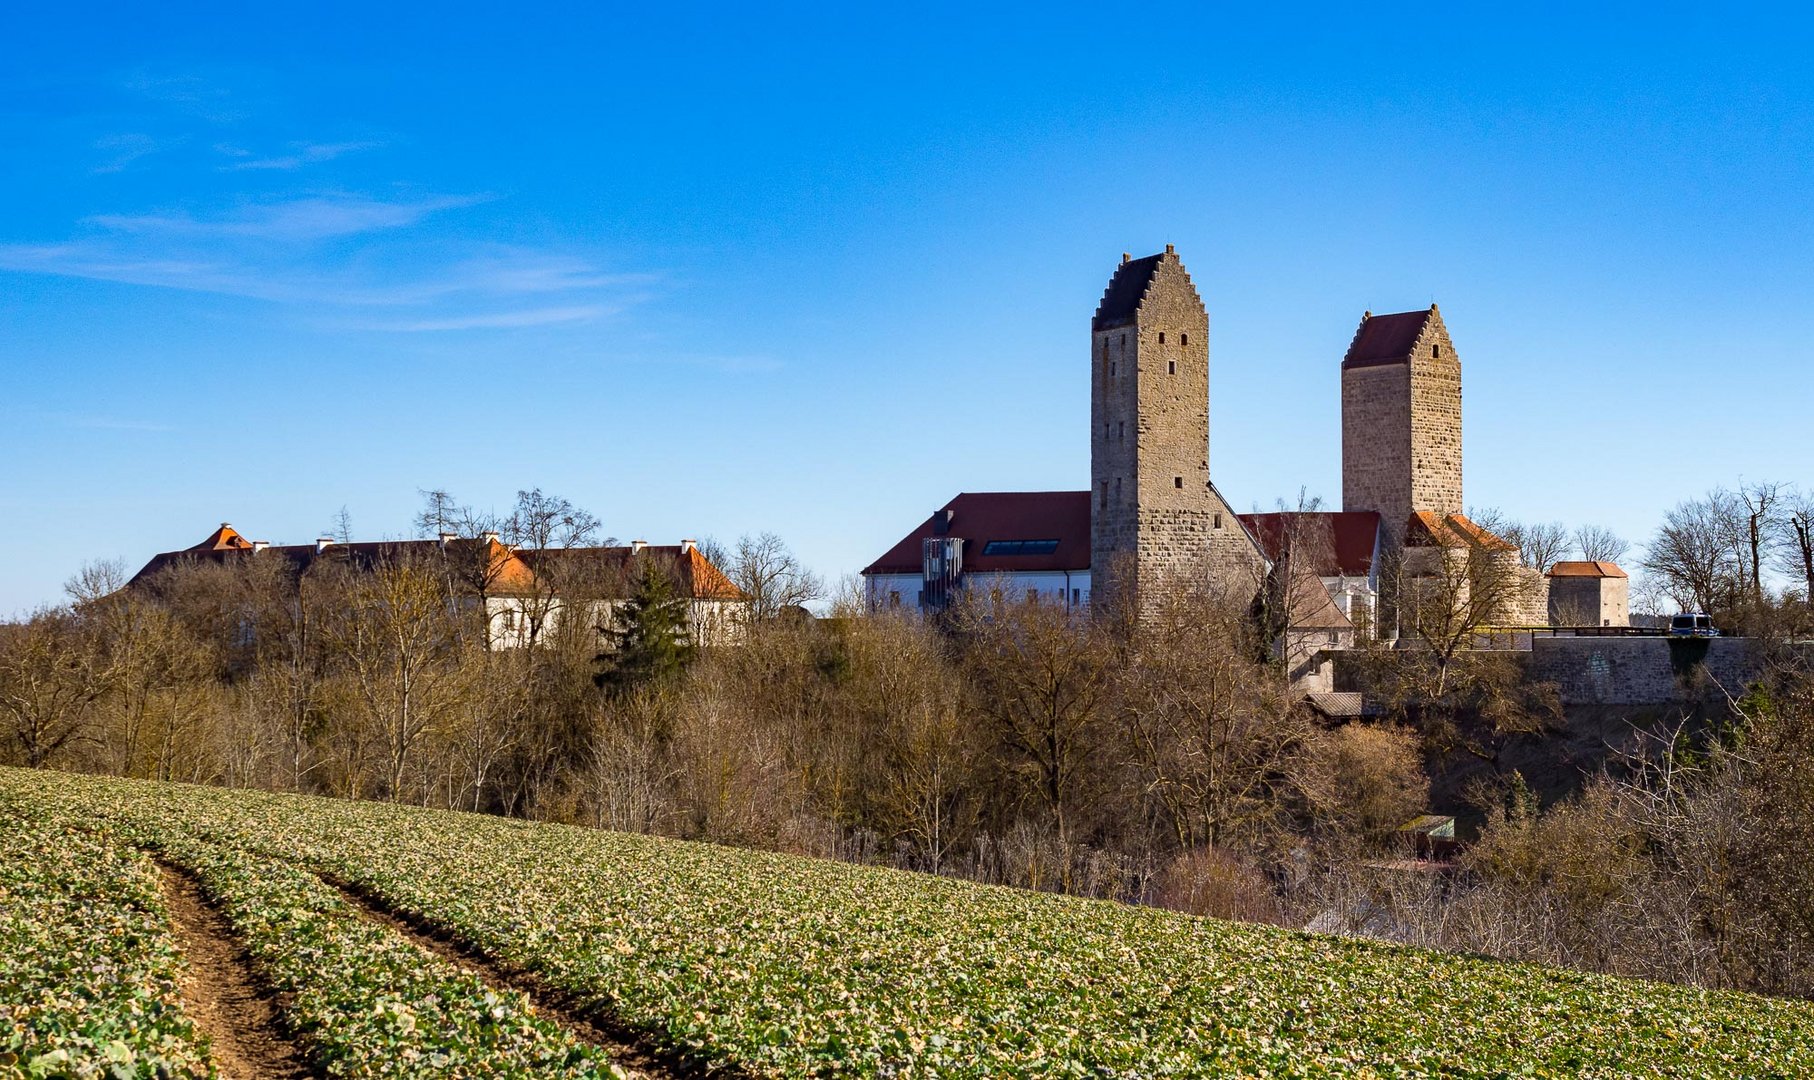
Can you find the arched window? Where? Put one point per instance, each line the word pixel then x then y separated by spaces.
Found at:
pixel 1184 339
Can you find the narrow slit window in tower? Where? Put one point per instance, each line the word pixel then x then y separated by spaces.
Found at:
pixel 1184 339
pixel 1111 367
pixel 1218 520
pixel 1436 350
pixel 1178 482
pixel 1171 367
pixel 1161 337
pixel 1105 495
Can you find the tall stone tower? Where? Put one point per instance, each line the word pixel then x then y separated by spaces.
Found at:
pixel 1153 511
pixel 1401 418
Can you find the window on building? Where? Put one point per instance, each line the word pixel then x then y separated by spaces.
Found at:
pixel 1105 494
pixel 1436 350
pixel 1218 520
pixel 1020 547
pixel 1124 342
pixel 1171 367
pixel 1117 489
pixel 1184 339
pixel 1111 367
pixel 1335 637
pixel 1076 597
pixel 894 598
pixel 1161 337
pixel 1178 482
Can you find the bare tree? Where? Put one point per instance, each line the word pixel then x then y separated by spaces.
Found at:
pixel 48 685
pixel 1042 682
pixel 1692 556
pixel 771 576
pixel 1451 589
pixel 1758 503
pixel 397 644
pixel 1541 544
pixel 1598 544
pixel 1795 540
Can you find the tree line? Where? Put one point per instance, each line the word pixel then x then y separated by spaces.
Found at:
pixel 1156 759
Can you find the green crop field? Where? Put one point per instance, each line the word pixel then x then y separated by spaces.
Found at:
pixel 735 962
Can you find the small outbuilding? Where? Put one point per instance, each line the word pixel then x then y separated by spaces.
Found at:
pixel 1589 593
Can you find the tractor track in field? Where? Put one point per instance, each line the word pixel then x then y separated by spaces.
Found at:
pixel 632 1051
pixel 223 994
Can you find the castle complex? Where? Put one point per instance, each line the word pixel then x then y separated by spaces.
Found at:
pixel 1153 512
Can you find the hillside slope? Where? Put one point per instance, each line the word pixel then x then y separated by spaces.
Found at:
pixel 762 964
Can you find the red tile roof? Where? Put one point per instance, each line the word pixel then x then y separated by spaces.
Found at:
pixel 694 574
pixel 1586 569
pixel 1430 529
pixel 1386 339
pixel 1342 542
pixel 225 538
pixel 979 517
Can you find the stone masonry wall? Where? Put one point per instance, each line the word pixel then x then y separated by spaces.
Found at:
pixel 1640 671
pixel 1435 408
pixel 1376 442
pixel 1152 504
pixel 1401 431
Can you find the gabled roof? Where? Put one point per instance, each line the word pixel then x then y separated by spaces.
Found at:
pixel 979 517
pixel 1310 607
pixel 1126 289
pixel 509 572
pixel 225 538
pixel 1430 529
pixel 1386 339
pixel 1339 543
pixel 608 568
pixel 1594 569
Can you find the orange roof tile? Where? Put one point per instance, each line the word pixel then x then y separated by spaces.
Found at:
pixel 1599 568
pixel 1430 529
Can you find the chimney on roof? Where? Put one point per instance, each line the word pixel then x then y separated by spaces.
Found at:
pixel 322 543
pixel 490 535
pixel 1170 250
pixel 941 521
pixel 260 545
pixel 1126 258
pixel 638 545
pixel 448 538
pixel 688 545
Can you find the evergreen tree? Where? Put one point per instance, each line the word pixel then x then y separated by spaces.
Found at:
pixel 648 632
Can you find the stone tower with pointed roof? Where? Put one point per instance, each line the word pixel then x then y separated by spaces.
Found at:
pixel 1401 418
pixel 1153 512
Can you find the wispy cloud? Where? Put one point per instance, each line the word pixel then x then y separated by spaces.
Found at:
pixel 302 154
pixel 499 320
pixel 304 219
pixel 124 149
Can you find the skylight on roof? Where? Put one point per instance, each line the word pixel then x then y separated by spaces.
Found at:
pixel 1020 547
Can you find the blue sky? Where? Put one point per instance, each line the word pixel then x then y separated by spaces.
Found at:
pixel 712 271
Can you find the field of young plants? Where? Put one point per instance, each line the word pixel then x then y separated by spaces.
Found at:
pixel 741 963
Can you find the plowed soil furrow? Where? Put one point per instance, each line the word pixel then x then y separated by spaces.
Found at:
pixel 222 994
pixel 633 1057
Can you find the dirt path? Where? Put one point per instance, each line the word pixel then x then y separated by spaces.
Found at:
pixel 221 994
pixel 635 1059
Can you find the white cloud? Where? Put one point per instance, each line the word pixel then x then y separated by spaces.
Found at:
pixel 496 320
pixel 124 149
pixel 311 218
pixel 304 154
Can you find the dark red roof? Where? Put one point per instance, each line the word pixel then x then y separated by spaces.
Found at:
pixel 1351 535
pixel 1386 339
pixel 1126 289
pixel 979 517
